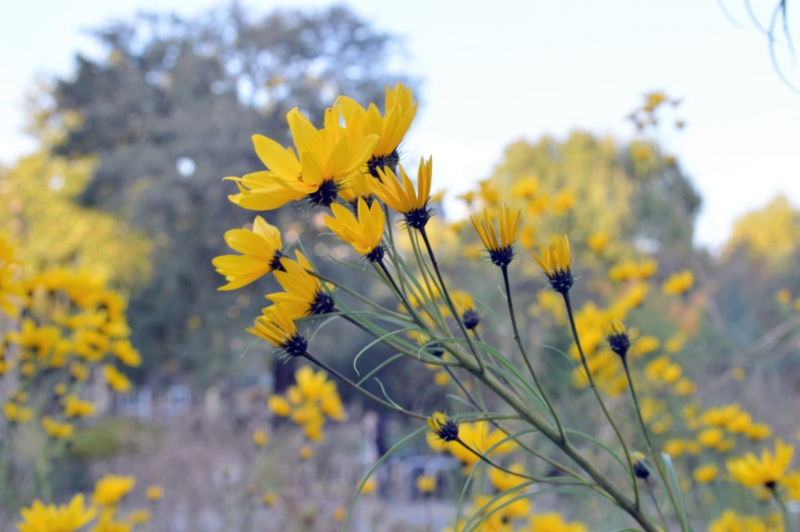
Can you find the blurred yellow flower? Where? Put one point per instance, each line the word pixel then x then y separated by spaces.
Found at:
pixel 51 518
pixel 705 474
pixel 766 471
pixel 154 493
pixel 110 489
pixel 260 438
pixel 678 283
pixel 426 483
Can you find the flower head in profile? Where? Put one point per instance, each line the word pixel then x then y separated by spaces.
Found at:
pixel 76 407
pixel 324 157
pixel 499 243
pixel 261 254
pixel 110 489
pixel 275 327
pixel 465 306
pixel 617 337
pixel 641 468
pixel 766 471
pixel 363 233
pixel 117 380
pixel 65 518
pixel 402 197
pixel 400 110
pixel 555 261
pixel 444 427
pixel 303 293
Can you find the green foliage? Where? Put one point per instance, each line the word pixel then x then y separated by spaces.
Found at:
pixel 112 436
pixel 167 111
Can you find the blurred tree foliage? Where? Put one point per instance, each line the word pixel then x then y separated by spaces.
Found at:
pixel 53 230
pixel 632 192
pixel 167 111
pixel 770 235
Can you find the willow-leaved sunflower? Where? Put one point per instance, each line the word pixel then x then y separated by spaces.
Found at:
pixel 500 242
pixel 363 233
pixel 400 110
pixel 766 471
pixel 303 293
pixel 556 263
pixel 403 197
pixel 274 326
pixel 324 156
pixel 261 254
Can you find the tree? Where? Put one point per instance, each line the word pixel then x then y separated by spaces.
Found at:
pixel 168 111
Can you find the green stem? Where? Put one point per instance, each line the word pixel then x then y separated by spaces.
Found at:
pixel 446 294
pixel 782 506
pixel 371 395
pixel 518 339
pixel 599 398
pixel 361 298
pixel 655 502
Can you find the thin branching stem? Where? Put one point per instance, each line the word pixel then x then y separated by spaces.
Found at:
pixel 518 339
pixel 655 502
pixel 592 384
pixel 446 294
pixel 371 395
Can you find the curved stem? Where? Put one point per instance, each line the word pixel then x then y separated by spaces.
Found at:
pixel 358 296
pixel 598 396
pixel 518 339
pixel 446 294
pixel 371 395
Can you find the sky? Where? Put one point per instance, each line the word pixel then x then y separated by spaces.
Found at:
pixel 494 72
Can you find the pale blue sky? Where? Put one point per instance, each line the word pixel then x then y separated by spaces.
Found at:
pixel 497 71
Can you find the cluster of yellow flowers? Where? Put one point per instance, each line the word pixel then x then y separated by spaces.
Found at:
pixel 309 402
pixel 103 511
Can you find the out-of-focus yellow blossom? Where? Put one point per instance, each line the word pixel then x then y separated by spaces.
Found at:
pixel 108 523
pixel 630 270
pixel 75 407
pixel 339 514
pixel 51 518
pixel 598 242
pixel 110 489
pixel 730 521
pixel 270 499
pixel 553 522
pixel 260 250
pixel 766 471
pixel 675 343
pixel 678 283
pixel 17 413
pixel 57 430
pixel 513 509
pixel 426 483
pixel 711 437
pixel 154 493
pixel 705 474
pixel 503 481
pixel 139 517
pixel 441 378
pixel 116 379
pixel 306 452
pixel 563 201
pixel 369 486
pixel 783 296
pixel 279 405
pixel 758 431
pixel 260 438
pixel 79 371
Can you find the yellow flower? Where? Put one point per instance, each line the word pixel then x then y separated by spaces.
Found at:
pixel 261 254
pixel 139 517
pixel 391 128
pixel 403 198
pixel 279 330
pixel 444 427
pixel 617 337
pixel 783 296
pixel 750 471
pixel 50 518
pixel 555 261
pixel 426 483
pixel 441 378
pixel 304 294
pixel 503 481
pixel 110 489
pixel 553 522
pixel 55 429
pixel 75 407
pixel 339 514
pixel 597 242
pixel 154 493
pixel 365 233
pixel 792 483
pixel 325 156
pixel 116 380
pixel 678 283
pixel 107 523
pixel 306 452
pixel 270 499
pixel 501 250
pixel 758 431
pixel 711 437
pixel 369 486
pixel 17 413
pixel 279 405
pixel 705 474
pixel 260 438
